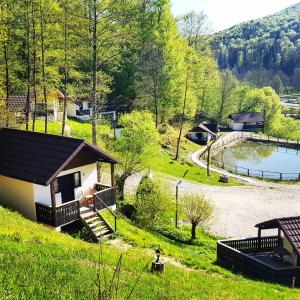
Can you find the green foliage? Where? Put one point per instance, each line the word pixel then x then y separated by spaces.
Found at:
pixel 265 51
pixel 199 211
pixel 152 201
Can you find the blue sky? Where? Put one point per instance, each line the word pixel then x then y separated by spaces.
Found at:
pixel 226 13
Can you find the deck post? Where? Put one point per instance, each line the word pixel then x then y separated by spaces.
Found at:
pixel 112 175
pixel 52 192
pixel 259 238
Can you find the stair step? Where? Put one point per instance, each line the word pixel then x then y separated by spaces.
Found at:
pixel 99 228
pixel 103 233
pixel 97 223
pixel 91 220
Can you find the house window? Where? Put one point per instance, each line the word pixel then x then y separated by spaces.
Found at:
pixel 77 180
pixel 56 186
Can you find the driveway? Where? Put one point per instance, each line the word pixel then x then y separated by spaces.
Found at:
pixel 238 209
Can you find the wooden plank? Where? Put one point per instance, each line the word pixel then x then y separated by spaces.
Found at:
pixel 52 192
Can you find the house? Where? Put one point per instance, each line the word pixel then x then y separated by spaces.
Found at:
pixel 53 179
pixel 246 120
pixel 204 132
pixel 18 105
pixel 271 258
pixel 80 109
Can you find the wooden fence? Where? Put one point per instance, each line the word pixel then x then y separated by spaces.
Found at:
pixel 235 254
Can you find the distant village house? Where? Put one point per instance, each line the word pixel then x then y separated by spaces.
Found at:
pixel 246 121
pixel 204 133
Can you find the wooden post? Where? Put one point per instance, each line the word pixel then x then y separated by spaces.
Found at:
pixel 259 238
pixel 112 175
pixel 208 161
pixel 176 212
pixel 52 192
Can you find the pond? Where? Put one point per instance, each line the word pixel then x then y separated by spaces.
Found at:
pixel 262 160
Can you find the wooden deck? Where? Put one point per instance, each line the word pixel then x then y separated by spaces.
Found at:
pixel 252 258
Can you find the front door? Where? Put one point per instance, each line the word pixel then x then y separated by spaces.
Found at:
pixel 66 184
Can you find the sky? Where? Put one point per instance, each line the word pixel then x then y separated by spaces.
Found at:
pixel 226 13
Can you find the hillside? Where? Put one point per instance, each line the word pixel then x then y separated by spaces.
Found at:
pixel 270 45
pixel 51 265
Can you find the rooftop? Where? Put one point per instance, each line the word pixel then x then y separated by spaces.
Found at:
pixel 247 117
pixel 39 158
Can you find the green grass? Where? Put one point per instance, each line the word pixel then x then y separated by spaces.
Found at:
pixel 38 263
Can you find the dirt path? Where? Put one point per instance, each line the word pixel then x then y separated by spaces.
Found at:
pixel 239 208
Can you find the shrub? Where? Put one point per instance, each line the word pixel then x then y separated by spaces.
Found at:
pixel 152 201
pixel 128 210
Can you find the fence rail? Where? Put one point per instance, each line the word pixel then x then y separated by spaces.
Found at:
pixel 235 254
pixel 263 174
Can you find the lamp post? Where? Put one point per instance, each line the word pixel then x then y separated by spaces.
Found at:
pixel 176 212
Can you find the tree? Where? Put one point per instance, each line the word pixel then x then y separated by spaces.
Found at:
pixel 137 145
pixel 199 211
pixel 277 84
pixel 228 85
pixel 152 201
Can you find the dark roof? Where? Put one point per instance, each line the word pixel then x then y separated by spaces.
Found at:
pixel 17 103
pixel 290 227
pixel 247 117
pixel 204 127
pixel 39 158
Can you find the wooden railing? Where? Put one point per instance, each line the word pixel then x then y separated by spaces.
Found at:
pixel 61 215
pixel 103 200
pixel 235 254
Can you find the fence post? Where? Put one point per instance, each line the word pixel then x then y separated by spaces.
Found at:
pixel 248 172
pixel 236 169
pixel 262 174
pixel 280 176
pixel 298 177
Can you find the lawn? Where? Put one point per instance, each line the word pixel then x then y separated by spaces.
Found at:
pixel 39 263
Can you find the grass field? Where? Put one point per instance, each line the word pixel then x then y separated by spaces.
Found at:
pixel 38 263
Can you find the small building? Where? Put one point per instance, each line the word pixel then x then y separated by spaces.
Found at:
pixel 80 109
pixel 246 121
pixel 204 133
pixel 270 258
pixel 52 179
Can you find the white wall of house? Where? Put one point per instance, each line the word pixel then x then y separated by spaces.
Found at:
pixel 205 135
pixel 88 175
pixel 71 109
pixel 235 126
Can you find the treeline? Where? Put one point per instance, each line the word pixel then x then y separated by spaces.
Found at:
pixel 264 52
pixel 114 52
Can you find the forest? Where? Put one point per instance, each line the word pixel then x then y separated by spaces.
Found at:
pixel 133 55
pixel 264 51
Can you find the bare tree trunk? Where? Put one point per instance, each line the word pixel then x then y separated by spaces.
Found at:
pixel 43 66
pixel 65 72
pixel 27 113
pixel 6 82
pixel 94 92
pixel 182 116
pixel 193 235
pixel 34 67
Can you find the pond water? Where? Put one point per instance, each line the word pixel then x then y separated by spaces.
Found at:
pixel 259 159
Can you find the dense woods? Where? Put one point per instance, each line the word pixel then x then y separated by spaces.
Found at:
pixel 134 55
pixel 264 52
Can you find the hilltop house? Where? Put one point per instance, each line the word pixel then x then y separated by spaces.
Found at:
pixel 246 120
pixel 53 179
pixel 18 104
pixel 271 258
pixel 204 132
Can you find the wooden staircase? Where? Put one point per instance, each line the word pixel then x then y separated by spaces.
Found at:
pixel 96 224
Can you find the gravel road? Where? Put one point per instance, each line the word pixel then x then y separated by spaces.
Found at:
pixel 239 208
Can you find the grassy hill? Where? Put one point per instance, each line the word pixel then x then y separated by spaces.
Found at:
pixel 38 263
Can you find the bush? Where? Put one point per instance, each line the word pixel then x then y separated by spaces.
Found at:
pixel 152 201
pixel 129 211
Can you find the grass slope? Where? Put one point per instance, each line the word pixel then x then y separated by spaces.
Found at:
pixel 38 263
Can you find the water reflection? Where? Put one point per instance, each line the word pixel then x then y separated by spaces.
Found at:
pixel 260 156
